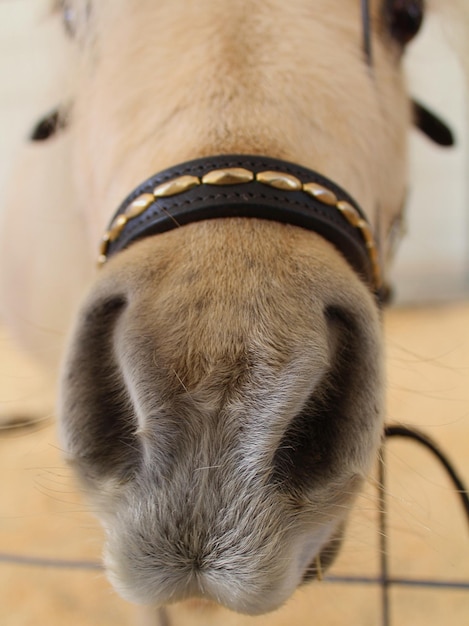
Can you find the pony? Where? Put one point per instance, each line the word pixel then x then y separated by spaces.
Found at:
pixel 221 385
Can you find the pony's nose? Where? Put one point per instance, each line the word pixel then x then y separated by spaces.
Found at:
pixel 223 413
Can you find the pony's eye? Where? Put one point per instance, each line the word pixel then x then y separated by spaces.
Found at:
pixel 404 18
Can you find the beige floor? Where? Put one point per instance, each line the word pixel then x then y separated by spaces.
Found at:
pixel 42 515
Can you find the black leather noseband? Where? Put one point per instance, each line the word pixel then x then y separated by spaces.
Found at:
pixel 249 187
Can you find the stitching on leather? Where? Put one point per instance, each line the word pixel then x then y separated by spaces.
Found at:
pixel 334 215
pixel 157 210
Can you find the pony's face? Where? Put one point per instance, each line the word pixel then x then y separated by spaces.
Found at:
pixel 222 393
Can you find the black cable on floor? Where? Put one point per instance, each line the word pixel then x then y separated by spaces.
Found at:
pixel 414 434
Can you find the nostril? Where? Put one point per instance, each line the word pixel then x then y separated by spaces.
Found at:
pixel 339 316
pixel 304 457
pixel 312 447
pixel 96 415
pixel 103 314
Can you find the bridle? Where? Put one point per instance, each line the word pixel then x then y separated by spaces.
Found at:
pixel 246 186
pixel 256 187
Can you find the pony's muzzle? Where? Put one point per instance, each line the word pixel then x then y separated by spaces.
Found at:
pixel 222 407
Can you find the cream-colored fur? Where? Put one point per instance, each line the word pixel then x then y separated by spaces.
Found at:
pixel 210 367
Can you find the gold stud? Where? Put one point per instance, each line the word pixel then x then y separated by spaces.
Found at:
pixel 279 180
pixel 349 212
pixel 139 205
pixel 373 252
pixel 117 227
pixel 374 258
pixel 104 245
pixel 228 176
pixel 322 194
pixel 176 186
pixel 366 232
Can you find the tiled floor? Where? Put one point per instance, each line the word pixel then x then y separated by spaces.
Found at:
pixel 42 515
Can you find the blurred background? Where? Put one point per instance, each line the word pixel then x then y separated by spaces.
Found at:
pixel 42 514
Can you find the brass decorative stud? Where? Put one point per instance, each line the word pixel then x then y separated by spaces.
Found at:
pixel 117 227
pixel 326 196
pixel 228 176
pixel 349 212
pixel 279 180
pixel 104 245
pixel 373 252
pixel 374 258
pixel 176 186
pixel 139 205
pixel 366 232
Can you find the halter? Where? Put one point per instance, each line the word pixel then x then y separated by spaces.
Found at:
pixel 246 186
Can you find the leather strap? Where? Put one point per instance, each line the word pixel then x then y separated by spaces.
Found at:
pixel 252 199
